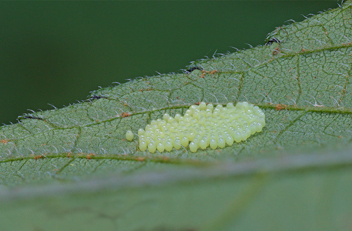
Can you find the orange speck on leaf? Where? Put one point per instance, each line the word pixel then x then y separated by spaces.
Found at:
pixel 276 51
pixel 140 158
pixel 213 72
pixel 202 75
pixel 89 156
pixel 4 141
pixel 38 157
pixel 279 107
pixel 125 114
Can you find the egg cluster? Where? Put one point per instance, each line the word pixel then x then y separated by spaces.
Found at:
pixel 200 127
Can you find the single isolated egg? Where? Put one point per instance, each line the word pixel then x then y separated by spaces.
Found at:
pixel 129 135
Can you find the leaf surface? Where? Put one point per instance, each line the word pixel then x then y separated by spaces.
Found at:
pixel 302 83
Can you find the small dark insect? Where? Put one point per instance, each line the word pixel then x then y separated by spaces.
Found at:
pixel 193 68
pixel 271 41
pixel 31 117
pixel 97 97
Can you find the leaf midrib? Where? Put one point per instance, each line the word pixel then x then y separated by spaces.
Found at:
pixel 89 156
pixel 318 108
pixel 296 164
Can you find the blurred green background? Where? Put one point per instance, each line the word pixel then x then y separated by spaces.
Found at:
pixel 56 52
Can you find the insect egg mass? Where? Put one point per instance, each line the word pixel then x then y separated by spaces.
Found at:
pixel 201 127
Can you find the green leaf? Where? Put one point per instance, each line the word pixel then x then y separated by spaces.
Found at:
pixel 90 177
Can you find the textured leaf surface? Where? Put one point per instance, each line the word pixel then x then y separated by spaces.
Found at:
pixel 303 86
pixel 292 193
